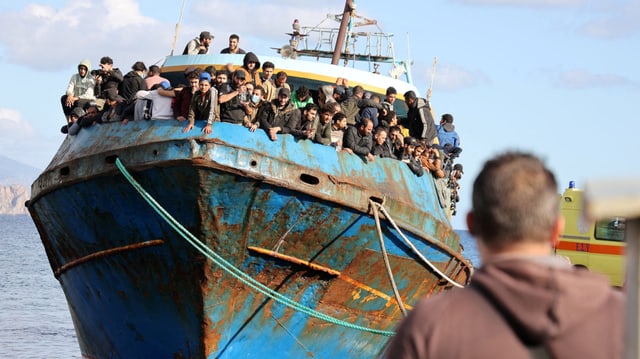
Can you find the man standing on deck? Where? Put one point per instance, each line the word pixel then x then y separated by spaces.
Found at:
pixel 419 118
pixel 523 302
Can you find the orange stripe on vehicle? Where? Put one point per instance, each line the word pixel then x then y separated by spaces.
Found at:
pixel 590 247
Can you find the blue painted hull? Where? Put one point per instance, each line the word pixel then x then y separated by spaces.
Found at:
pixel 137 289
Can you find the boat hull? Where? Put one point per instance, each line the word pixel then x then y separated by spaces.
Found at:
pixel 293 215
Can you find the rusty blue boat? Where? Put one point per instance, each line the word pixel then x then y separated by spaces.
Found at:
pixel 183 245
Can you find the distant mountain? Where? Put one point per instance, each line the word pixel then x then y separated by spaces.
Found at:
pixel 13 172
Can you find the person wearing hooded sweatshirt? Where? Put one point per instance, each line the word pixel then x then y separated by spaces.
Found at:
pixel 250 66
pixel 419 119
pixel 80 90
pixel 524 302
pixel 447 132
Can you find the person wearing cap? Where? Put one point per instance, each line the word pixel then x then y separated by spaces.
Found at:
pixel 359 140
pixel 80 90
pixel 203 105
pixel 447 132
pixel 161 97
pixel 233 48
pixel 281 112
pixel 199 45
pixel 523 301
pixel 234 98
pixel 114 106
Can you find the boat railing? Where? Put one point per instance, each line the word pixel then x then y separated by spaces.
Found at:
pixel 321 41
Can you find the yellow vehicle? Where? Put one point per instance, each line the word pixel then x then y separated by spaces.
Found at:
pixel 597 246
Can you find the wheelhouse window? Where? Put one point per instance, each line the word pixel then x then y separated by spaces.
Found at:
pixel 611 229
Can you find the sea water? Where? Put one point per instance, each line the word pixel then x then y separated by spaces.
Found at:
pixel 34 317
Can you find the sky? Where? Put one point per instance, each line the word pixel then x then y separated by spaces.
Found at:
pixel 558 78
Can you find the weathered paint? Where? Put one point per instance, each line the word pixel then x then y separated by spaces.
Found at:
pixel 233 189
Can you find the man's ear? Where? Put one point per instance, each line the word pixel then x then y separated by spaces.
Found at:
pixel 470 224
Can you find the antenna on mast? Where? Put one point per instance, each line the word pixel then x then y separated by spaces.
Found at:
pixel 175 36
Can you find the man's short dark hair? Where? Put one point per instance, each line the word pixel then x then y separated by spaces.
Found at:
pixel 268 65
pixel 515 199
pixel 447 117
pixel 310 106
pixel 328 108
pixel 391 91
pixel 410 95
pixel 234 36
pixel 106 60
pixel 338 116
pixel 139 66
pixel 302 92
pixel 154 69
pixel 211 70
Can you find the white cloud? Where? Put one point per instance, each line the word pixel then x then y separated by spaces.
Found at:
pixel 614 21
pixel 47 38
pixel 583 79
pixel 21 142
pixel 11 121
pixel 525 3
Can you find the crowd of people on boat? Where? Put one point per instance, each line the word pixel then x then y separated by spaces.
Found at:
pixel 255 96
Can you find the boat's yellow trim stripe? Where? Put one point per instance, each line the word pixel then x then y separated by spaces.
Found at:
pixel 591 248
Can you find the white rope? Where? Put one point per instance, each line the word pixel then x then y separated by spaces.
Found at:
pixel 385 256
pixel 415 250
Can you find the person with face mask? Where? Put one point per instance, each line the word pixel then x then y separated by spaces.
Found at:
pixel 255 105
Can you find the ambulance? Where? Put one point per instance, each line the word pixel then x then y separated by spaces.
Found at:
pixel 597 246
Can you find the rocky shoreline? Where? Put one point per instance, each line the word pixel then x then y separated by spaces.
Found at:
pixel 12 199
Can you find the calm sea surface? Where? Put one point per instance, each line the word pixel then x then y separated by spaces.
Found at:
pixel 34 318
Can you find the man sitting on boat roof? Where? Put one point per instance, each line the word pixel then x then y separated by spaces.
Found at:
pixel 199 45
pixel 233 48
pixel 524 302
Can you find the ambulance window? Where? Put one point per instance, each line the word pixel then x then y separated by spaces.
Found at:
pixel 611 229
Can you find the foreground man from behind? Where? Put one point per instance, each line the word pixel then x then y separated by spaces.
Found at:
pixel 523 302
